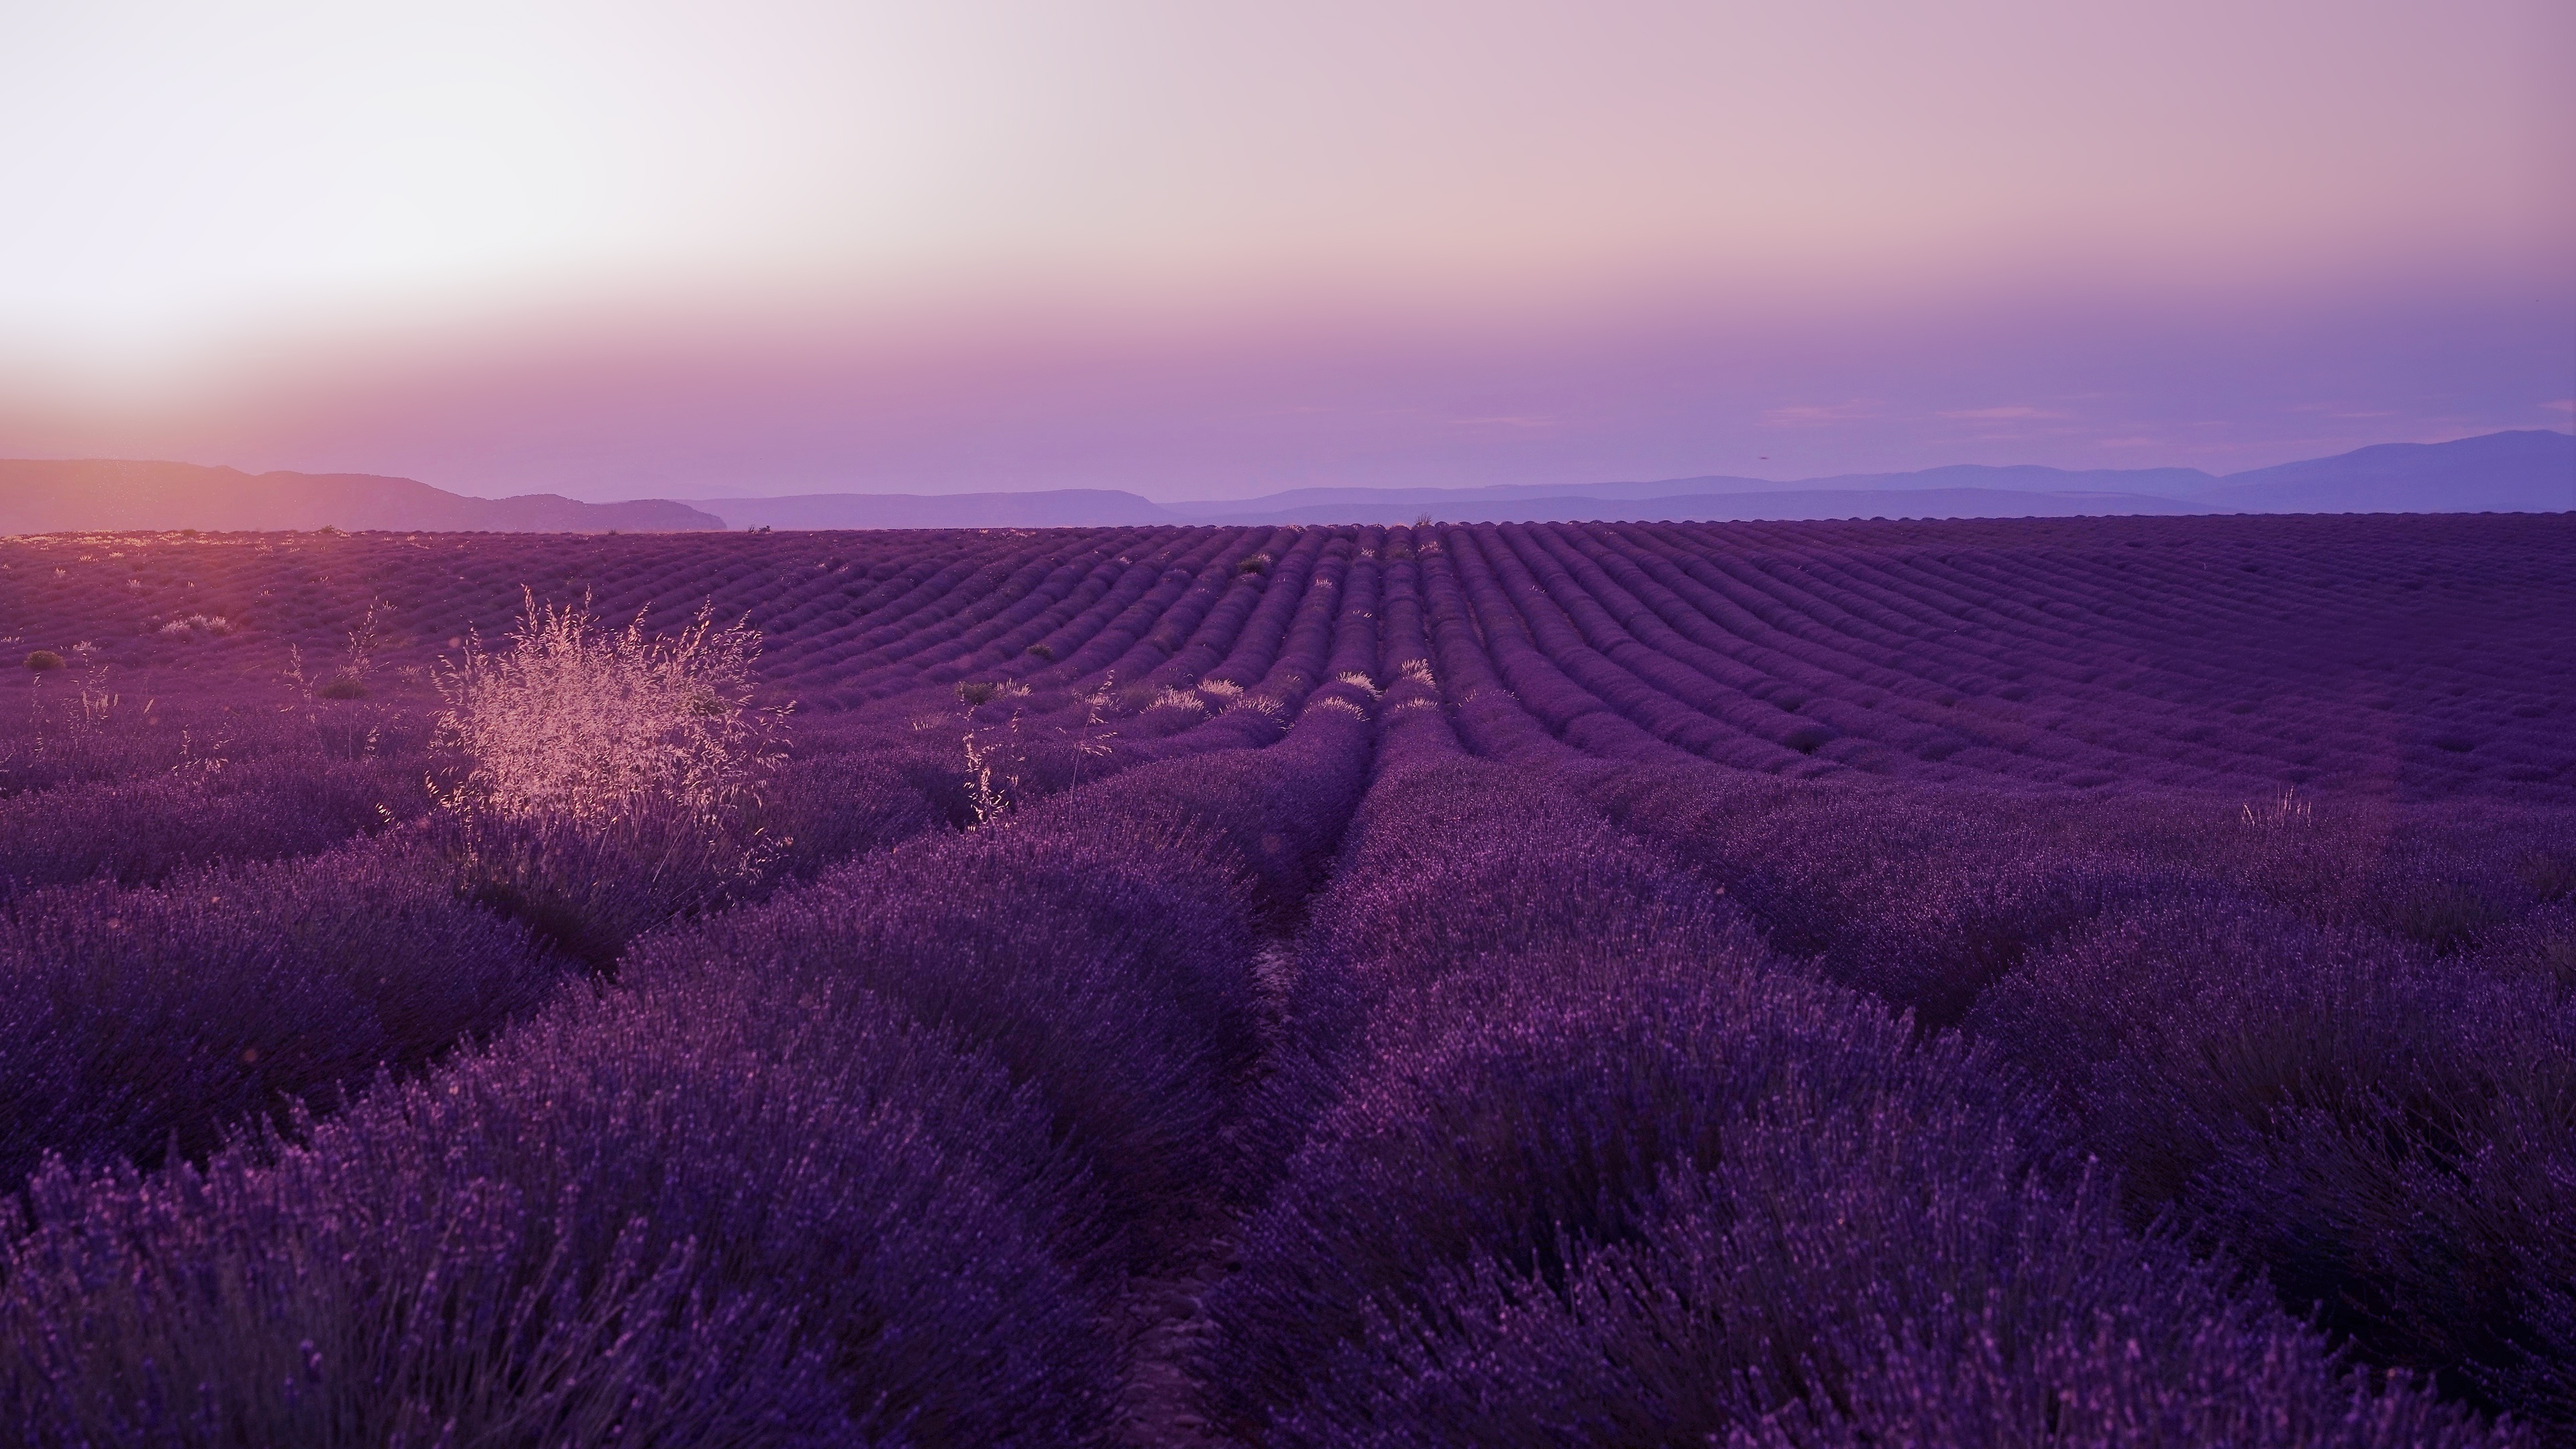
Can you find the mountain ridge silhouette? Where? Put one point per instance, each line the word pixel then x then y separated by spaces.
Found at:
pixel 2530 470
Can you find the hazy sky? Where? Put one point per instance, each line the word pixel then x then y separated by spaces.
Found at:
pixel 1200 248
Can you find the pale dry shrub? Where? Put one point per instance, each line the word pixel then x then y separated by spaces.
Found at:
pixel 610 780
pixel 578 723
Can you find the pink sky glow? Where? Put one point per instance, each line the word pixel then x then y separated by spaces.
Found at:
pixel 1207 250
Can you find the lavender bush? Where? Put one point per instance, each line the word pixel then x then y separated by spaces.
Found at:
pixel 143 1021
pixel 1112 975
pixel 667 1220
pixel 1844 1277
pixel 2391 1137
pixel 139 831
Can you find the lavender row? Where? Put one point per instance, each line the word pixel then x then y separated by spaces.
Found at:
pixel 1594 1170
pixel 867 1163
pixel 2331 1040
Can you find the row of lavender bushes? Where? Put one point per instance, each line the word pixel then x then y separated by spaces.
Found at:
pixel 1600 1169
pixel 2328 1041
pixel 865 1160
pixel 918 1162
pixel 156 996
pixel 1542 1142
pixel 192 951
pixel 333 967
pixel 1801 661
pixel 2334 1041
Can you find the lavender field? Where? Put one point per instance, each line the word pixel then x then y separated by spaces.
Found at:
pixel 2084 982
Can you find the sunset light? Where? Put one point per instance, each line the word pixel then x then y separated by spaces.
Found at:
pixel 2309 210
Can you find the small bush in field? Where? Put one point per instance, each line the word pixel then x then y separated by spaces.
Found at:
pixel 143 1021
pixel 195 624
pixel 44 659
pixel 610 779
pixel 579 723
pixel 343 687
pixel 976 691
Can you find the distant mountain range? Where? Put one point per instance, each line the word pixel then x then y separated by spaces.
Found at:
pixel 1049 508
pixel 49 496
pixel 2516 472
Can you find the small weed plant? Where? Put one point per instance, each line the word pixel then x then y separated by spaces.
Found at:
pixel 997 771
pixel 351 681
pixel 2288 810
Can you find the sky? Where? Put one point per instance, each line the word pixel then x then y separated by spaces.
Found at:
pixel 1202 249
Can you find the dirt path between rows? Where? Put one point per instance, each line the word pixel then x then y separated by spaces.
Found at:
pixel 1158 1406
pixel 1165 1320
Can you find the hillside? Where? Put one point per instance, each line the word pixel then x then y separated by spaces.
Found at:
pixel 2169 483
pixel 2514 472
pixel 1779 505
pixel 1050 508
pixel 62 495
pixel 2517 472
pixel 2520 472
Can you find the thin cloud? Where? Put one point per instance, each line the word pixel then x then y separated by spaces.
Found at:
pixel 1318 410
pixel 2563 405
pixel 2000 415
pixel 1791 417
